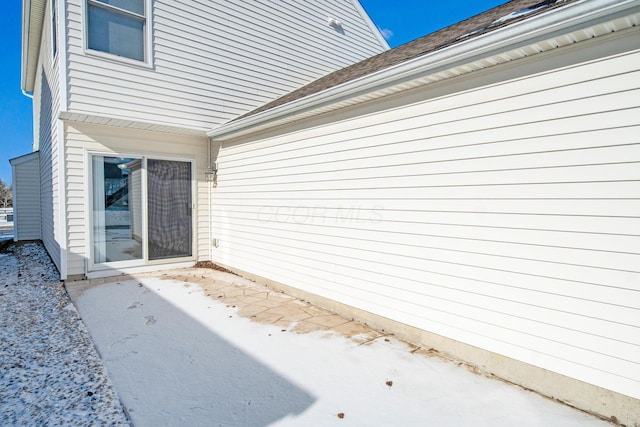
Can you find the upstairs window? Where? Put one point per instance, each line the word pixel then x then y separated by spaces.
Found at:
pixel 54 27
pixel 117 27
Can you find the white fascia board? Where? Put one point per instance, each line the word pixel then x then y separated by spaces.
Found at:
pixel 572 17
pixel 25 158
pixel 372 25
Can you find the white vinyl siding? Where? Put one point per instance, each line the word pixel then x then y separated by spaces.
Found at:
pixel 46 107
pixel 506 217
pixel 212 61
pixel 80 139
pixel 26 200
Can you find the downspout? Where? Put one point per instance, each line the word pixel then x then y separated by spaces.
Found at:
pixel 14 199
pixel 30 96
pixel 210 190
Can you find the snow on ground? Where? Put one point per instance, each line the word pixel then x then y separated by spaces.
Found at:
pixel 178 357
pixel 6 234
pixel 50 372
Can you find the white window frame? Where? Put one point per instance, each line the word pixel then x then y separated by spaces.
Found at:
pixel 147 39
pixel 144 261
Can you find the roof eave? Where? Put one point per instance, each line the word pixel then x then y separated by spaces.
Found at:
pixel 26 10
pixel 522 33
pixel 128 123
pixel 32 21
pixel 24 158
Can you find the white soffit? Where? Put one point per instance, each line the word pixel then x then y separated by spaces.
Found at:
pixel 130 124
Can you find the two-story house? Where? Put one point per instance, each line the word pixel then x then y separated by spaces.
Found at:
pixel 476 190
pixel 124 92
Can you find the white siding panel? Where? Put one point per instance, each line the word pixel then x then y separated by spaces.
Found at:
pixel 470 158
pixel 215 60
pixel 261 27
pixel 26 201
pixel 574 211
pixel 506 217
pixel 80 139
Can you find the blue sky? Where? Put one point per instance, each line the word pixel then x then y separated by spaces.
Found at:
pixel 15 108
pixel 400 20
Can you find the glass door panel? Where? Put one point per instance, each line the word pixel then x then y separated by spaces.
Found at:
pixel 117 209
pixel 169 209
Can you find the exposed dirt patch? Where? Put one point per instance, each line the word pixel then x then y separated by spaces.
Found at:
pixel 6 246
pixel 209 264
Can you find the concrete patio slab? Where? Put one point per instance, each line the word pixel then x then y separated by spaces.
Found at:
pixel 203 347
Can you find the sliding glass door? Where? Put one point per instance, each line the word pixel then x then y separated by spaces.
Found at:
pixel 141 210
pixel 169 194
pixel 117 209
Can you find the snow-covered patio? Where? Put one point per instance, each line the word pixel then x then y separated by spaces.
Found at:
pixel 200 347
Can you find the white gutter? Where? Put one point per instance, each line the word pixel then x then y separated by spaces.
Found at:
pixel 557 22
pixel 27 94
pixel 26 13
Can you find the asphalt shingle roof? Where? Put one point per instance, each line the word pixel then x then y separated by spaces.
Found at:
pixel 488 21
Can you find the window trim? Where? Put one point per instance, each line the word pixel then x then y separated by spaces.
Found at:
pixel 147 38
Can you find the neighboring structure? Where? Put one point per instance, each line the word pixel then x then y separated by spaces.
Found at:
pixel 476 190
pixel 6 224
pixel 26 197
pixel 6 215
